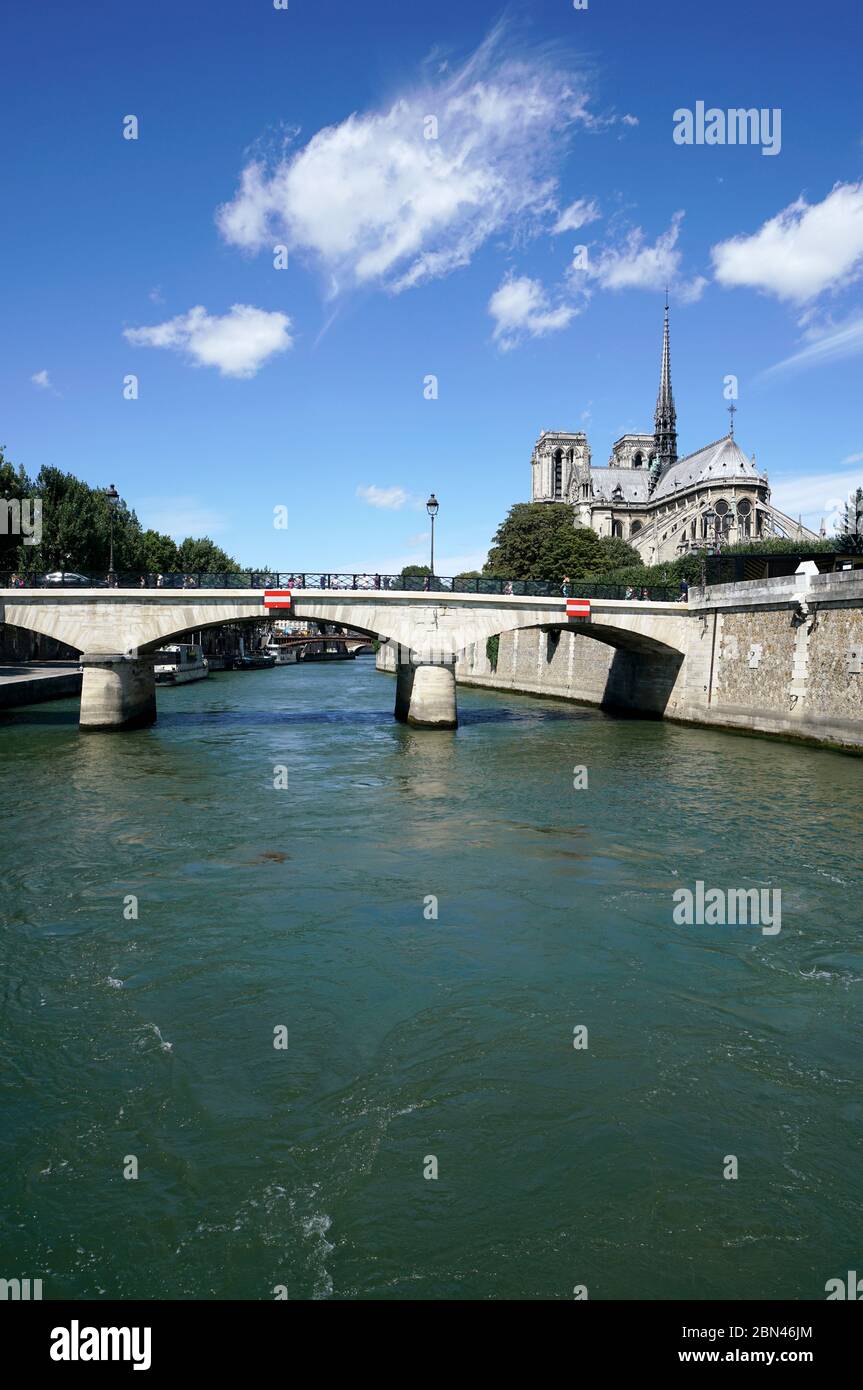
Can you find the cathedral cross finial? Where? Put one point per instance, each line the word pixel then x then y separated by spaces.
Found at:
pixel 732 411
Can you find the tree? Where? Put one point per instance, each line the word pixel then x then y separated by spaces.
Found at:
pixel 538 540
pixel 158 553
pixel 616 553
pixel 204 557
pixel 417 571
pixel 15 486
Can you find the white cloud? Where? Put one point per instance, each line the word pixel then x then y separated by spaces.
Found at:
pixel 42 379
pixel 237 343
pixel 389 498
pixel 374 202
pixel 638 265
pixel 521 308
pixel 832 346
pixel 629 120
pixel 852 458
pixel 802 251
pixel 578 214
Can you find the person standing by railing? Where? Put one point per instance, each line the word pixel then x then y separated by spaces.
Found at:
pixel 565 586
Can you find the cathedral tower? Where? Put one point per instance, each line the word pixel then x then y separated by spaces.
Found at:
pixel 665 417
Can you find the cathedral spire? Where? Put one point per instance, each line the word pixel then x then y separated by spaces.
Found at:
pixel 665 418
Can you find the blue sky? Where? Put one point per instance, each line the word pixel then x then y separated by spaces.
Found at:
pixel 411 256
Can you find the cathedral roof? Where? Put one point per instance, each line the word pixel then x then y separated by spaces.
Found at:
pixel 717 462
pixel 632 481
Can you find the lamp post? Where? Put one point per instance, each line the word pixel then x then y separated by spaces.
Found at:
pixel 113 497
pixel 432 508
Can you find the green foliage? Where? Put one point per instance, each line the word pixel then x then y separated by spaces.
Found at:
pixel 76 532
pixel 76 523
pixel 159 554
pixel 686 567
pixel 775 545
pixel 14 486
pixel 204 557
pixel 617 553
pixel 416 571
pixel 538 540
pixel 492 647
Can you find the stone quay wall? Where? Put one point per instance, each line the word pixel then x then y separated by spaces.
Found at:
pixel 780 656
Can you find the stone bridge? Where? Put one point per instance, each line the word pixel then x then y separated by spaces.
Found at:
pixel 118 630
pixel 780 655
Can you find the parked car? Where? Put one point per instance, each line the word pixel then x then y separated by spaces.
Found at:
pixel 70 580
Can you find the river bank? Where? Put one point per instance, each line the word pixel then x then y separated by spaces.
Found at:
pixel 33 682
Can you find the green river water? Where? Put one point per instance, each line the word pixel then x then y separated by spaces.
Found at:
pixel 411 1037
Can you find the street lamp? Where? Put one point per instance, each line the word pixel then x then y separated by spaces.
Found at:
pixel 113 497
pixel 432 508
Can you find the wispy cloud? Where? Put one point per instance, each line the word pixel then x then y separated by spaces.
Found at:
pixel 43 381
pixel 578 214
pixel 400 196
pixel 180 517
pixel 816 496
pixel 390 499
pixel 639 264
pixel 835 344
pixel 237 343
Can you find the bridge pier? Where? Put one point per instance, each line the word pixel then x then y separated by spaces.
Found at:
pixel 426 695
pixel 117 692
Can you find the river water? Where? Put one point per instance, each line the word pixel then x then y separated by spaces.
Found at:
pixel 413 1037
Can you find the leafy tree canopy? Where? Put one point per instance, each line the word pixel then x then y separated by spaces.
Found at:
pixel 76 532
pixel 204 556
pixel 538 540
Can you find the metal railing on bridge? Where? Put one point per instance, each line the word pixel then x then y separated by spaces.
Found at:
pixel 350 583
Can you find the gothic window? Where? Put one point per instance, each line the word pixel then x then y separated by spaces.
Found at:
pixel 744 516
pixel 557 472
pixel 724 517
pixel 637 460
pixel 617 528
pixel 635 528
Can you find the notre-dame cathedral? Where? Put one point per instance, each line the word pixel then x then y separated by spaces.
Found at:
pixel 662 505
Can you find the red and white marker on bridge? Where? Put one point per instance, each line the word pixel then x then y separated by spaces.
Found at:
pixel 277 598
pixel 578 607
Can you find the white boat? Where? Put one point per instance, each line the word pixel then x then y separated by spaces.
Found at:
pixel 182 663
pixel 283 654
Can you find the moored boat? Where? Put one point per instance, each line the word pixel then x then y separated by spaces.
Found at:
pixel 180 664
